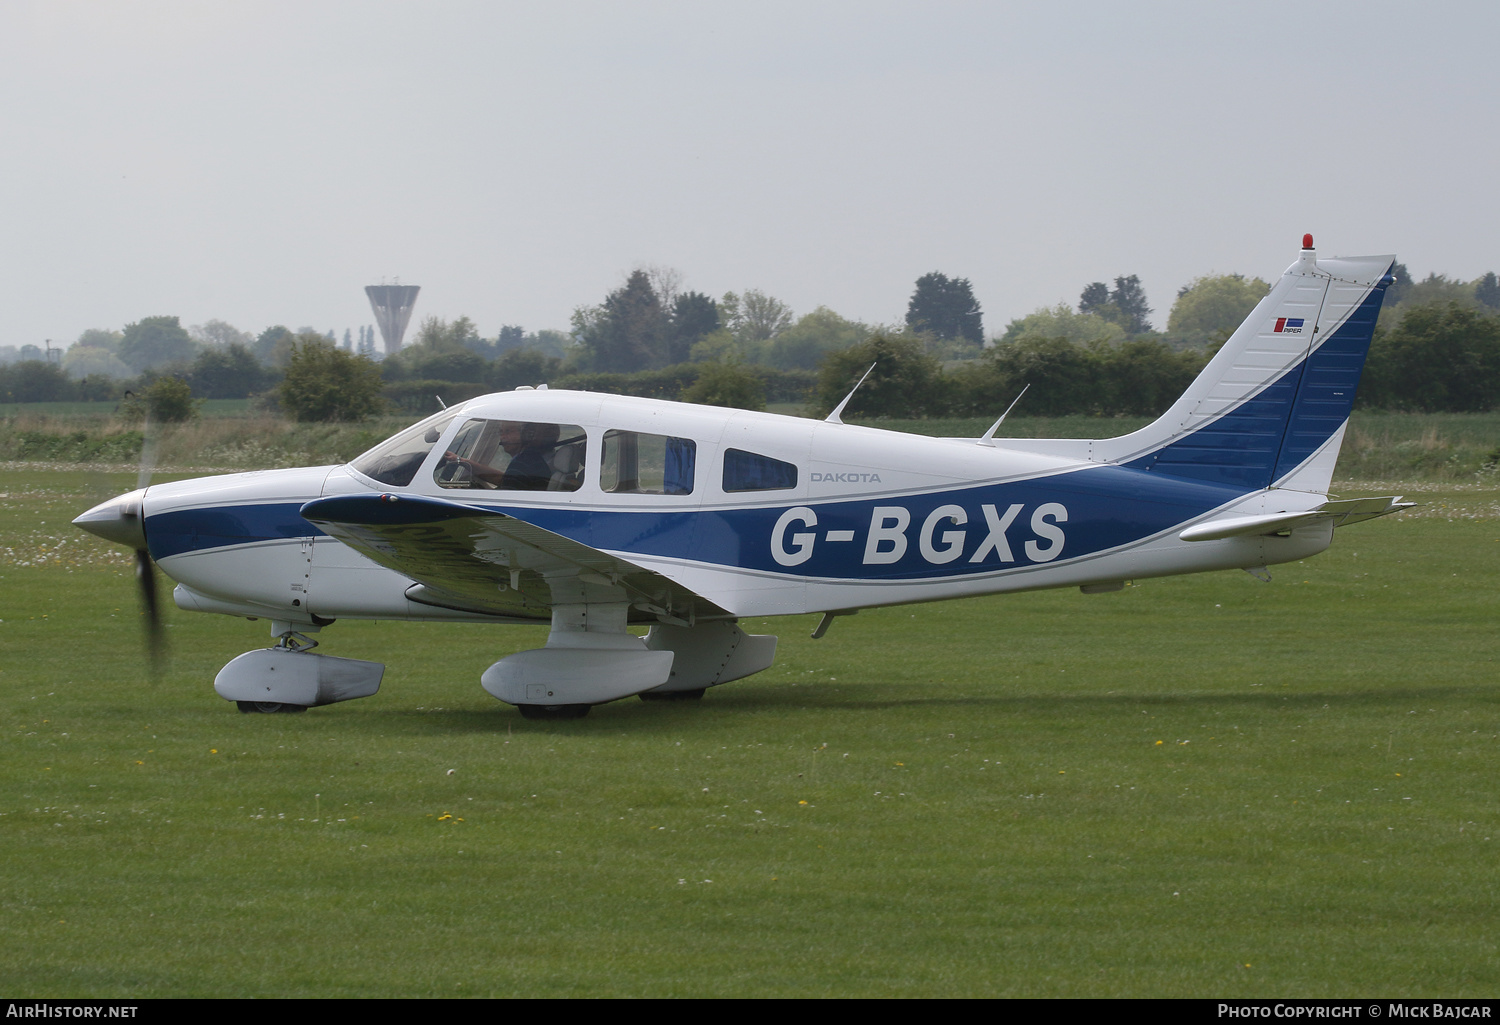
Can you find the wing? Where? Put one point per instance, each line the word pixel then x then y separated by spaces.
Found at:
pixel 1342 513
pixel 479 560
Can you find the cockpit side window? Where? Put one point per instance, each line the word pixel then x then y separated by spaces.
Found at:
pixel 647 464
pixel 395 461
pixel 514 455
pixel 746 471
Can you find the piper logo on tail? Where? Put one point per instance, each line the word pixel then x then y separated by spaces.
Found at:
pixel 1289 325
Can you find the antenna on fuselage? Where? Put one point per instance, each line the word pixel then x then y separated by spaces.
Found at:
pixel 988 441
pixel 833 418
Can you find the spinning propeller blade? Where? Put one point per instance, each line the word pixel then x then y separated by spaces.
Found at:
pixel 145 576
pixel 123 519
pixel 145 570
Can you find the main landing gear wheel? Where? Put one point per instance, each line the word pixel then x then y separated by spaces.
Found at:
pixel 554 711
pixel 672 695
pixel 270 707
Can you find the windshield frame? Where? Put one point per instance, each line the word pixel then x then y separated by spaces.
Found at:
pixel 442 421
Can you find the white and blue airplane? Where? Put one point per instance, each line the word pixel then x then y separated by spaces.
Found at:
pixel 596 513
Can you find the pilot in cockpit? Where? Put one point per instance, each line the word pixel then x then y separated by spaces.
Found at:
pixel 530 447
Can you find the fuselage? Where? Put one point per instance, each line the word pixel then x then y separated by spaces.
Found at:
pixel 762 514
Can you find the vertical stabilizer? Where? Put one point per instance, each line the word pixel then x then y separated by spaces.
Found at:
pixel 1271 407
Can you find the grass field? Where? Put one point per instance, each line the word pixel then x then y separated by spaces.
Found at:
pixel 210 408
pixel 1200 786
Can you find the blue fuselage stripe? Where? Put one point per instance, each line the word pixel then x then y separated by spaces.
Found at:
pixel 986 527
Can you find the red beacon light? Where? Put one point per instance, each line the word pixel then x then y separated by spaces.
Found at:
pixel 1307 241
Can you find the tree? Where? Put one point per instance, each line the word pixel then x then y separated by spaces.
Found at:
pixel 1060 377
pixel 1437 289
pixel 217 332
pixel 82 361
pixel 1441 357
pixel 154 341
pixel 1125 304
pixel 511 336
pixel 521 366
pixel 1211 307
pixel 803 345
pixel 694 317
pixel 436 365
pixel 1130 299
pixel 106 340
pixel 166 400
pixel 719 347
pixel 1095 298
pixel 762 317
pixel 437 335
pixel 325 383
pixel 946 307
pixel 273 345
pixel 906 382
pixel 753 318
pixel 1144 377
pixel 626 333
pixel 34 380
pixel 1487 291
pixel 727 384
pixel 231 372
pixel 1061 322
pixel 1440 288
pixel 666 282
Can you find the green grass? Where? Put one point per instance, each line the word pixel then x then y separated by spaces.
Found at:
pixel 1200 786
pixel 210 408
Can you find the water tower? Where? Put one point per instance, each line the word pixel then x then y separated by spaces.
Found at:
pixel 392 305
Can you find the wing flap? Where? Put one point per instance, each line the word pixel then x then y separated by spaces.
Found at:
pixel 482 559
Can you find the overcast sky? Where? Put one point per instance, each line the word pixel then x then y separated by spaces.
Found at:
pixel 261 162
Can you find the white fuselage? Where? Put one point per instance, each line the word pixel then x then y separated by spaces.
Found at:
pixel 874 518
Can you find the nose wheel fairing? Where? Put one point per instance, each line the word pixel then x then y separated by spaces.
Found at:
pixel 290 675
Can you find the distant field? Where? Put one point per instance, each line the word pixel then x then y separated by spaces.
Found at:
pixel 1199 786
pixel 1458 447
pixel 211 407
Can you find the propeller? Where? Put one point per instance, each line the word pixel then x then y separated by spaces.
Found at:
pixel 123 519
pixel 145 569
pixel 145 576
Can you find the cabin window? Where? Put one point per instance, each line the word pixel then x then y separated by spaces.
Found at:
pixel 514 455
pixel 395 461
pixel 647 464
pixel 746 471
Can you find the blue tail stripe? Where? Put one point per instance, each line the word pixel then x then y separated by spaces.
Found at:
pixel 1274 431
pixel 1328 385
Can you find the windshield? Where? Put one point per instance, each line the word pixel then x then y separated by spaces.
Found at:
pixel 395 461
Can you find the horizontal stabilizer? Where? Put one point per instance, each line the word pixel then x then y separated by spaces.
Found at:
pixel 1340 512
